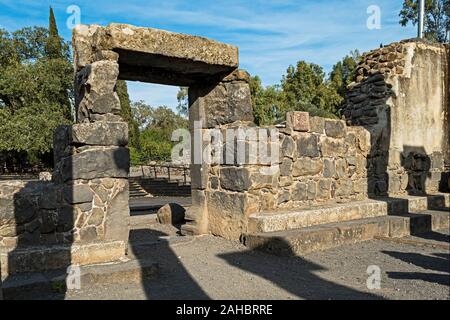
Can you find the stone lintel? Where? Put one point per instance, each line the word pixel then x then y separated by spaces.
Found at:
pixel 153 49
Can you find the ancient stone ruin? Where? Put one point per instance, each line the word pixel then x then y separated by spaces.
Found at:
pixel 393 142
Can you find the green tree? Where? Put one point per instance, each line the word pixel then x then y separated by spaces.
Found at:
pixel 36 93
pixel 437 18
pixel 142 114
pixel 156 127
pixel 183 101
pixel 53 46
pixel 306 89
pixel 268 103
pixel 344 72
pixel 127 114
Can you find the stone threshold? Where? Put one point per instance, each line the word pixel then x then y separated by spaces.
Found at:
pixel 55 282
pixel 299 242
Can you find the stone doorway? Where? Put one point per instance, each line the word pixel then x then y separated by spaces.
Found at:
pixel 104 55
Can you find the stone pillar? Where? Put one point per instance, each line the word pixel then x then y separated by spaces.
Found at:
pixel 214 105
pixel 91 168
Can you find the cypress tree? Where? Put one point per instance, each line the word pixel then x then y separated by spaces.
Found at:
pixel 125 105
pixel 54 47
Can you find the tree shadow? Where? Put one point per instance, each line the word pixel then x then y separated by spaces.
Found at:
pixel 300 280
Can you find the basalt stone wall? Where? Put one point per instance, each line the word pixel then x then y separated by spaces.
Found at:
pixel 401 97
pixel 28 215
pixel 320 161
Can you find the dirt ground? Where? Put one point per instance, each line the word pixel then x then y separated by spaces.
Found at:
pixel 213 268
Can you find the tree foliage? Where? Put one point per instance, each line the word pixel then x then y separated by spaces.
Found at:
pixel 268 103
pixel 156 127
pixel 127 114
pixel 437 18
pixel 183 101
pixel 304 87
pixel 36 90
pixel 344 72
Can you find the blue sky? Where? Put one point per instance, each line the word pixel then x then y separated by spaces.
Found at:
pixel 271 35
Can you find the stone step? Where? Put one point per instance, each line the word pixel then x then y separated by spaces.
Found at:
pixel 54 282
pixel 136 190
pixel 55 257
pixel 312 216
pixel 299 242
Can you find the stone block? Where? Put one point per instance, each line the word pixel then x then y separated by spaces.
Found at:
pixel 344 187
pixel 49 197
pixel 237 75
pixel 331 147
pixel 263 179
pixel 329 168
pixel 286 167
pixel 81 193
pixel 363 138
pixel 67 216
pixel 299 191
pixel 341 168
pixel 220 104
pixel 99 134
pixel 298 121
pixel 181 47
pixel 283 197
pixel 317 125
pixel 83 38
pixel 87 235
pixel 171 213
pixel 307 146
pixel 227 213
pixel 335 128
pixel 95 89
pixel 288 147
pixel 49 221
pixel 437 160
pixel 324 189
pixel 311 192
pixel 112 162
pixel 214 182
pixel 117 215
pixel 307 167
pixel 61 142
pixel 199 176
pixel 235 179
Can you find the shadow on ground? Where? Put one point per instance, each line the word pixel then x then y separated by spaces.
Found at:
pixel 181 285
pixel 436 263
pixel 300 279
